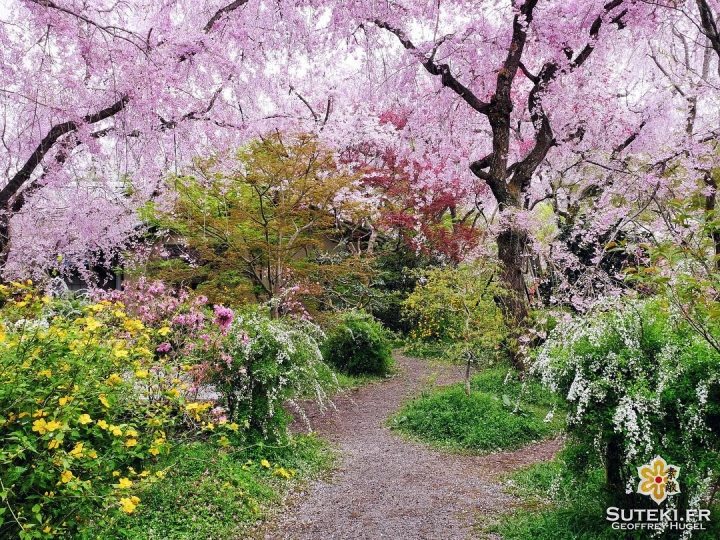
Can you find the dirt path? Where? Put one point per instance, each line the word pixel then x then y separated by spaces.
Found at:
pixel 386 487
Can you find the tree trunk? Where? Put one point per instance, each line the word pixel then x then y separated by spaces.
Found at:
pixel 467 373
pixel 4 243
pixel 710 203
pixel 513 300
pixel 614 479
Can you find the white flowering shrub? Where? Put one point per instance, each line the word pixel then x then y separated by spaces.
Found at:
pixel 265 364
pixel 639 383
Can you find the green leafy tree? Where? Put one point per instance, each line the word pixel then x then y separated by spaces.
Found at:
pixel 456 304
pixel 269 223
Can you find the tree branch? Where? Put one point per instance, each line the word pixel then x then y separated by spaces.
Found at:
pixel 222 12
pixel 441 70
pixel 707 19
pixel 57 131
pixel 595 31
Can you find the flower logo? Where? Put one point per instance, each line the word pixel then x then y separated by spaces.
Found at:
pixel 658 479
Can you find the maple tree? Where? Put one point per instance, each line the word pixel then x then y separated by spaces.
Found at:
pixel 272 221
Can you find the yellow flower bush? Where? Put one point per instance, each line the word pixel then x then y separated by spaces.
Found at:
pixel 92 395
pixel 81 397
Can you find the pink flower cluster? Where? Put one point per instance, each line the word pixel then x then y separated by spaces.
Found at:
pixel 223 317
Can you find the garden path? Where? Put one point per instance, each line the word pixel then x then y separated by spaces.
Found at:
pixel 388 487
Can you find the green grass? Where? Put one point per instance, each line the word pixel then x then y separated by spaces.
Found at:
pixel 214 493
pixel 501 413
pixel 554 507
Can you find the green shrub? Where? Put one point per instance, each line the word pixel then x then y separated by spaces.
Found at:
pixel 457 303
pixel 359 345
pixel 639 383
pixel 83 413
pixel 500 413
pixel 266 363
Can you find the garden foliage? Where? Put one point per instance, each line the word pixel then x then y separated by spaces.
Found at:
pixel 639 382
pixel 359 345
pixel 501 413
pixel 95 394
pixel 455 305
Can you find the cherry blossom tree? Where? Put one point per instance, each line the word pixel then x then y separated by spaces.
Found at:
pixel 102 100
pixel 509 108
pixel 510 90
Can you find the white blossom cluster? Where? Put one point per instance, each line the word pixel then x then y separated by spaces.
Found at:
pixel 291 359
pixel 602 365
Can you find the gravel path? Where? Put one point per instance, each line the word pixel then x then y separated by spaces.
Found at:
pixel 386 487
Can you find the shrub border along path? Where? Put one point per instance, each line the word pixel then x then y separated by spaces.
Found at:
pixel 388 487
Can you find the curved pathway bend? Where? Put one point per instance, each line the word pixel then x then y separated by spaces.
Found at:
pixel 388 487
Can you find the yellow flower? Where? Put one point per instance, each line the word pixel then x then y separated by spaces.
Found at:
pixel 114 379
pixel 116 473
pixel 65 400
pixel 124 483
pixel 77 451
pixel 144 474
pixel 115 430
pixel 102 424
pixel 131 442
pixel 127 505
pixel 66 476
pixel 143 351
pixel 45 373
pixel 85 419
pixel 53 444
pixel 47 529
pixel 164 331
pixel 53 425
pixel 160 474
pixel 154 450
pixel 234 426
pixel 103 400
pixel 133 325
pixel 40 426
pixel 265 463
pixel 130 432
pixel 281 472
pixel 92 454
pixel 141 374
pixel 120 353
pixel 37 414
pixel 92 324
